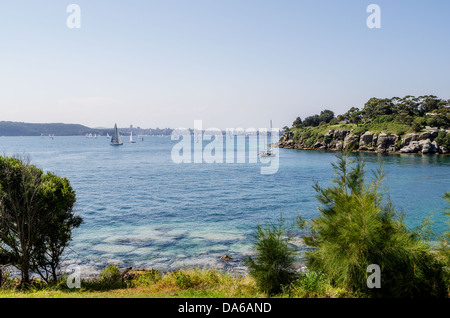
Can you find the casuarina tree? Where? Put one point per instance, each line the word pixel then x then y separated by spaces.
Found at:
pixel 36 217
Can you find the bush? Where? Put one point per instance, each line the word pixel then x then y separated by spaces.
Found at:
pixel 110 278
pixel 418 123
pixel 273 266
pixel 146 278
pixel 443 139
pixel 309 284
pixel 355 230
pixel 183 280
pixel 383 119
pixel 6 280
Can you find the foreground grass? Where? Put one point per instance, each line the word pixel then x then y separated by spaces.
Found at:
pixel 189 283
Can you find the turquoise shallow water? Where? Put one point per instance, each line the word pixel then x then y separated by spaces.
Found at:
pixel 141 209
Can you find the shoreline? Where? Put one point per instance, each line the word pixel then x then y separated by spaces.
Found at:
pixel 366 151
pixel 422 143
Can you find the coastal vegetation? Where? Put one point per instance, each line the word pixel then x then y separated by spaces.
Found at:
pixel 36 219
pixel 274 263
pixel 409 125
pixel 357 227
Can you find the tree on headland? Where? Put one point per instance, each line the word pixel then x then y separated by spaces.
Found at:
pixel 297 123
pixel 36 217
pixel 409 110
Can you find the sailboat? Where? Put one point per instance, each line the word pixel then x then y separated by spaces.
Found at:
pixel 269 152
pixel 115 139
pixel 131 138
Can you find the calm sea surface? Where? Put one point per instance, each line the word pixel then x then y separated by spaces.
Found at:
pixel 140 209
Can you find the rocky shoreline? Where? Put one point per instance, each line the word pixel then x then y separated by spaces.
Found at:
pixel 422 143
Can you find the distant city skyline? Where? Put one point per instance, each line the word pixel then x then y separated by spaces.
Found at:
pixel 228 63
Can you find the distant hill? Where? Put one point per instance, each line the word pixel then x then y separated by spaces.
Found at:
pixel 9 128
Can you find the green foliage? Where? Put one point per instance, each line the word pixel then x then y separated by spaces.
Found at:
pixel 439 118
pixel 418 124
pixel 443 139
pixel 445 247
pixel 147 279
pixel 296 137
pixel 58 199
pixel 6 280
pixel 413 112
pixel 376 107
pixel 110 278
pixel 273 266
pixel 312 121
pixel 182 279
pixel 355 230
pixel 36 218
pixel 310 284
pixel 297 123
pixel 383 119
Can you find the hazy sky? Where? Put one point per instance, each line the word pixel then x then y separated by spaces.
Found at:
pixel 230 63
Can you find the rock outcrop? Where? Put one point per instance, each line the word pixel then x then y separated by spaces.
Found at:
pixel 384 143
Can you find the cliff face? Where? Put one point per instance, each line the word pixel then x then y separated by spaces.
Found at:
pixel 343 139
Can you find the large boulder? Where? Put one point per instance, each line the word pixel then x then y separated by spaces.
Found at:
pixel 408 138
pixel 340 134
pixel 366 139
pixel 412 147
pixel 320 145
pixel 425 135
pixel 433 134
pixel 385 142
pixel 350 141
pixel 428 147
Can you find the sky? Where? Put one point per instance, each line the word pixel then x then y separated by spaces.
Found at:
pixel 229 63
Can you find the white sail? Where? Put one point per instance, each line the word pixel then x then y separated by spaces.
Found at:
pixel 131 137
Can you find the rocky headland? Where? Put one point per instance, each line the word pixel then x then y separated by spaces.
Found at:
pixel 423 142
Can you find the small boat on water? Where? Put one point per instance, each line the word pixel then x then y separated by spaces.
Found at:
pixel 267 152
pixel 131 138
pixel 116 140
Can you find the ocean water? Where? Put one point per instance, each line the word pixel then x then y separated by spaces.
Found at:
pixel 141 209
